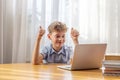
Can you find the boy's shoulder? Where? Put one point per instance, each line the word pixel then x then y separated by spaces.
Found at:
pixel 48 46
pixel 67 47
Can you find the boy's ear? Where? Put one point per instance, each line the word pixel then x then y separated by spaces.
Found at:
pixel 48 36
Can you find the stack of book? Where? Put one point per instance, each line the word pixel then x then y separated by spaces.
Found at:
pixel 111 67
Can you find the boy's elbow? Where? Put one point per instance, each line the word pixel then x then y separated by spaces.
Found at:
pixel 34 63
pixel 37 61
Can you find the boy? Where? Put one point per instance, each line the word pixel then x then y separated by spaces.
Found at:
pixel 57 52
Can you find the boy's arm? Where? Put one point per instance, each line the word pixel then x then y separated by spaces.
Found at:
pixel 37 58
pixel 74 36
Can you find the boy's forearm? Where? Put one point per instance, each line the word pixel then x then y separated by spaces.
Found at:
pixel 35 57
pixel 75 41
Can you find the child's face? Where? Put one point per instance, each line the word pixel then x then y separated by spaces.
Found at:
pixel 57 39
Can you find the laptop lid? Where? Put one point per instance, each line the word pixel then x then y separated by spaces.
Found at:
pixel 88 56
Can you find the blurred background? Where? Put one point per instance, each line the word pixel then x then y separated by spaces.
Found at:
pixel 98 21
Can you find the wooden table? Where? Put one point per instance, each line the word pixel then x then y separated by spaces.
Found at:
pixel 48 72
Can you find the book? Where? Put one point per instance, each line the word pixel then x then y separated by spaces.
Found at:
pixel 112 62
pixel 111 67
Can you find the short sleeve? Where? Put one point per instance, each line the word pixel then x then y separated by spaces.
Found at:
pixel 44 52
pixel 71 52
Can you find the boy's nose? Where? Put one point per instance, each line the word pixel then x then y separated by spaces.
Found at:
pixel 60 38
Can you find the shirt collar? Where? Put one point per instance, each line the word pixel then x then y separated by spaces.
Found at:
pixel 60 52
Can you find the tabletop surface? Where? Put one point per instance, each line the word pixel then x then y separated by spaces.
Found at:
pixel 27 71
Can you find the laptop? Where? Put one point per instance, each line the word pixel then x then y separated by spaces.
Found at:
pixel 86 56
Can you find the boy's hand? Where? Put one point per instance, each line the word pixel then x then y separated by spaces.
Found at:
pixel 41 32
pixel 74 34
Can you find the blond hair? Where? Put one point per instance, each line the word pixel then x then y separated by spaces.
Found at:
pixel 57 26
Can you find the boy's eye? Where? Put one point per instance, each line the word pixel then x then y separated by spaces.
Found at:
pixel 63 36
pixel 59 36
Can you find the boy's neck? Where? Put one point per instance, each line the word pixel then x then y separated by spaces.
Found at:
pixel 56 49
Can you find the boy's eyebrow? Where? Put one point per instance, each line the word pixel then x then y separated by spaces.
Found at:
pixel 59 35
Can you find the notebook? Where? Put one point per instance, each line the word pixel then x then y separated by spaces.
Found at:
pixel 86 56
